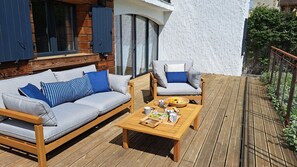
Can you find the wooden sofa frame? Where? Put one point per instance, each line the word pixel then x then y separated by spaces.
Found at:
pixel 40 148
pixel 154 84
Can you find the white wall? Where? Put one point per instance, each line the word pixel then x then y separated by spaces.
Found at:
pixel 209 32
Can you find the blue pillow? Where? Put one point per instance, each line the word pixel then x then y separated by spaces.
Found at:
pixel 81 86
pixel 33 92
pixel 176 77
pixel 57 92
pixel 99 81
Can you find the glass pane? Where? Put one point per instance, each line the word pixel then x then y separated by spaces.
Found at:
pixel 118 50
pixel 141 45
pixel 40 26
pixel 64 27
pixel 127 44
pixel 152 43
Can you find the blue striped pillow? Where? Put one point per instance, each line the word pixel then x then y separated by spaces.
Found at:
pixel 81 86
pixel 57 92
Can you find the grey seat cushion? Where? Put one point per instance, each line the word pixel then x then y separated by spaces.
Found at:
pixel 178 89
pixel 69 117
pixel 105 101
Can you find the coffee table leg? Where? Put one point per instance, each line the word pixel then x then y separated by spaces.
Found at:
pixel 125 138
pixel 196 122
pixel 176 150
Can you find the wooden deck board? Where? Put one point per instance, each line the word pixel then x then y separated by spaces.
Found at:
pixel 217 142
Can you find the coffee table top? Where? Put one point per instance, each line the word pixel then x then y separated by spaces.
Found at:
pixel 188 114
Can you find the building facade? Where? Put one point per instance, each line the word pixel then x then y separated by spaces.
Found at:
pixel 124 36
pixel 209 32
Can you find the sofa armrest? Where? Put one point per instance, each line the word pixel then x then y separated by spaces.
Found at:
pixel 153 85
pixel 21 116
pixel 131 91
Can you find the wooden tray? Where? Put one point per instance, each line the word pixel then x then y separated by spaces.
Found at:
pixel 177 101
pixel 151 122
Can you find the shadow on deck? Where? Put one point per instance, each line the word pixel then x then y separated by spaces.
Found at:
pixel 235 107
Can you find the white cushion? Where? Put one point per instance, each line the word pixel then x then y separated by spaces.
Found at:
pixel 69 116
pixel 175 67
pixel 194 78
pixel 119 83
pixel 67 75
pixel 104 101
pixel 30 106
pixel 178 89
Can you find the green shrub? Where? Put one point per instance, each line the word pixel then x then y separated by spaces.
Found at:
pixel 269 27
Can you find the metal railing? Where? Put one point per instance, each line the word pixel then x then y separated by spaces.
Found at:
pixel 283 72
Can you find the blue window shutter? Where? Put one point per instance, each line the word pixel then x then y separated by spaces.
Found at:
pixel 15 31
pixel 102 29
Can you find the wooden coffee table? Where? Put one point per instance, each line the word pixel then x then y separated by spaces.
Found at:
pixel 189 114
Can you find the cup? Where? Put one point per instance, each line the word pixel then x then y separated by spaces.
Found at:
pixel 147 110
pixel 173 117
pixel 161 103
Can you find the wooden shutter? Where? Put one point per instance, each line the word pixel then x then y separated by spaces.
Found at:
pixel 15 31
pixel 102 29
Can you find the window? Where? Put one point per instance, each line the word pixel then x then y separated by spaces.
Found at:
pixel 136 40
pixel 54 27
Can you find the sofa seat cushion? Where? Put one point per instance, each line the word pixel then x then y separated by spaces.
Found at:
pixel 105 101
pixel 69 117
pixel 178 89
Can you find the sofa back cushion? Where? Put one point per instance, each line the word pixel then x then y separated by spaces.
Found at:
pixel 12 85
pixel 30 106
pixel 67 75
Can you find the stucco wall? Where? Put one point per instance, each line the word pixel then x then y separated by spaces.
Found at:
pixel 210 32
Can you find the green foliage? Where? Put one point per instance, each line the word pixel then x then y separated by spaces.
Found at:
pixel 269 27
pixel 290 132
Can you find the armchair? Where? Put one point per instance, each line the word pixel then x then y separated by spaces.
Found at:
pixel 174 89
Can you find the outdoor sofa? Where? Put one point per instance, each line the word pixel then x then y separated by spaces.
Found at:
pixel 32 132
pixel 191 86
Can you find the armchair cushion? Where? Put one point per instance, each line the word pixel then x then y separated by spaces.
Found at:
pixel 194 78
pixel 119 83
pixel 176 77
pixel 175 67
pixel 30 106
pixel 178 89
pixel 159 69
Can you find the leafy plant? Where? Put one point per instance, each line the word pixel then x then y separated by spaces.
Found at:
pixel 290 131
pixel 269 27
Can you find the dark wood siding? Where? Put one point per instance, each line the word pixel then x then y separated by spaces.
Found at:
pixel 102 29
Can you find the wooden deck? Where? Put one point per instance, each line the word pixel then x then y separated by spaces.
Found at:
pixel 238 127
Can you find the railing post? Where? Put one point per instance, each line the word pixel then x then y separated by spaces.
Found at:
pixel 280 71
pixel 291 94
pixel 272 65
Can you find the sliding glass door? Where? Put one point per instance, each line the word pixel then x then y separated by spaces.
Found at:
pixel 136 40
